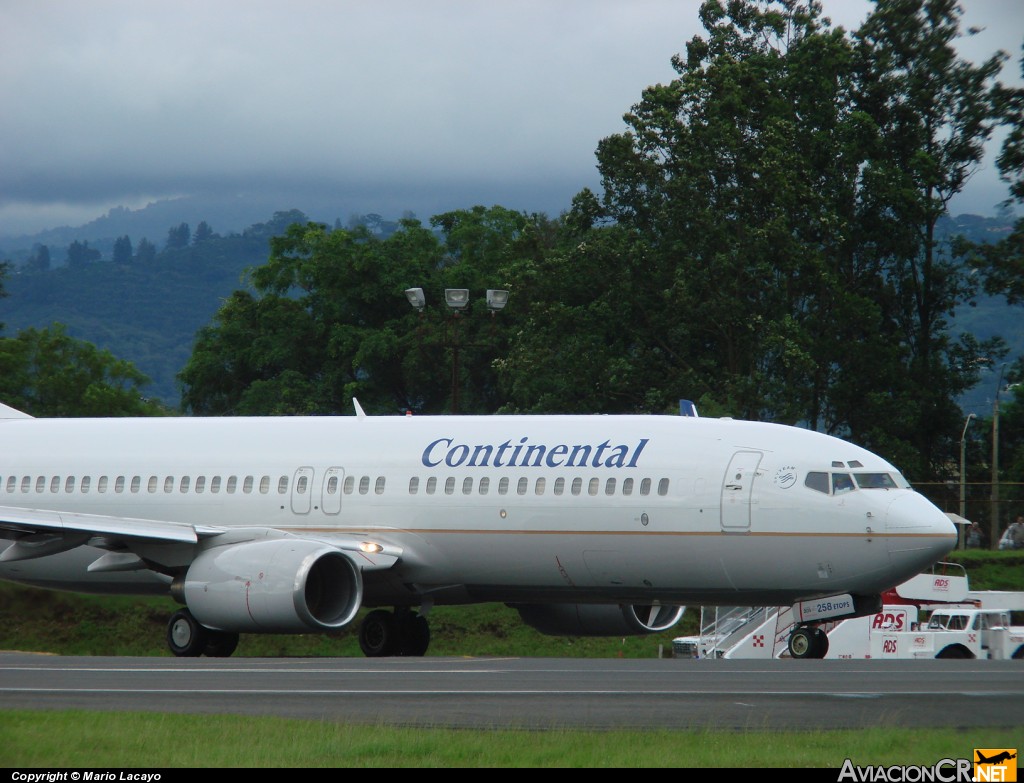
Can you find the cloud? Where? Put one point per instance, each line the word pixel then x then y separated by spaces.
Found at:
pixel 113 101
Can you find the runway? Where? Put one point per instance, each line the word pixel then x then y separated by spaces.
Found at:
pixel 534 693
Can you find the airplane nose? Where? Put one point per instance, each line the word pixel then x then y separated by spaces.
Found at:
pixel 917 531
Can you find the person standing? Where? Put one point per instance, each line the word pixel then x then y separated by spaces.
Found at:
pixel 974 536
pixel 1017 533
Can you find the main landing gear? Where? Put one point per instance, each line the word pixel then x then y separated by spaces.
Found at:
pixel 188 639
pixel 808 642
pixel 402 632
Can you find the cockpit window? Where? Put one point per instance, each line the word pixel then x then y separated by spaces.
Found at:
pixel 841 483
pixel 817 481
pixel 874 481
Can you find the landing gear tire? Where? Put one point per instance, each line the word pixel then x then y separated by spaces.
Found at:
pixel 185 636
pixel 401 632
pixel 220 644
pixel 379 634
pixel 415 635
pixel 807 642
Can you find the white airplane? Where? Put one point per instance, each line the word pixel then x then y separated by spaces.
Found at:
pixel 588 525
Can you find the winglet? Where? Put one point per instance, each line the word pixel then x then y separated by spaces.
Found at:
pixel 360 413
pixel 7 412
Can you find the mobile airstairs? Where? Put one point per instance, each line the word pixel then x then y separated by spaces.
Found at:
pixel 763 631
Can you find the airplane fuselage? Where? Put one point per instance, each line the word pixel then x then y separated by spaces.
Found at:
pixel 595 509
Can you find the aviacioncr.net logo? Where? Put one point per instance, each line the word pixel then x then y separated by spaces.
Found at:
pixel 995 764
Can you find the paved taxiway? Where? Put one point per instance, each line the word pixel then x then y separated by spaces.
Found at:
pixel 534 692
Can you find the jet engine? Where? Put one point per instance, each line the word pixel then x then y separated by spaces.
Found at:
pixel 599 619
pixel 277 586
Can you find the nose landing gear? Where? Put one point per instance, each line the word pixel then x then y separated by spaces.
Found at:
pixel 808 642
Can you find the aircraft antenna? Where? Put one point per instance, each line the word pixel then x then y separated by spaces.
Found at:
pixel 360 413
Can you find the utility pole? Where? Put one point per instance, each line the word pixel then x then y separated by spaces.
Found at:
pixel 994 513
pixel 963 478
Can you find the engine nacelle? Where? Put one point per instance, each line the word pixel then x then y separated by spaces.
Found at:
pixel 599 619
pixel 284 585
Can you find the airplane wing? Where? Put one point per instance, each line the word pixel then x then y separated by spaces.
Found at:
pixel 38 533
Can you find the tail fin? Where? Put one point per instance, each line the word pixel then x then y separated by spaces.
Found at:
pixel 7 412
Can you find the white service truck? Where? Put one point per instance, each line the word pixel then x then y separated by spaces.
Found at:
pixel 952 632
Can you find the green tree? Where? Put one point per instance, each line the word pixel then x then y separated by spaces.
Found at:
pixel 178 236
pixel 203 233
pixel 39 261
pixel 123 250
pixel 145 253
pixel 781 197
pixel 81 255
pixel 5 269
pixel 328 320
pixel 45 372
pixel 931 113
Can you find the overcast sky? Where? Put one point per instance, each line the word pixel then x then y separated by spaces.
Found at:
pixel 401 104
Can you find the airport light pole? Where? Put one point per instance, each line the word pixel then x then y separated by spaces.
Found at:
pixel 457 300
pixel 963 477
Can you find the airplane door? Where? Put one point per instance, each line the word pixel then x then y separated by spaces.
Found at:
pixel 302 490
pixel 331 500
pixel 737 490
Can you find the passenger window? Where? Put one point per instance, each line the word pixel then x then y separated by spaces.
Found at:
pixel 817 480
pixel 467 486
pixel 609 487
pixel 119 484
pixel 449 485
pixel 577 486
pixel 200 484
pixel 841 482
pixel 522 486
pixel 627 486
pixel 136 483
pixel 12 483
pixel 594 486
pixel 40 483
pixel 69 485
pixel 350 483
pixel 169 484
pixel 485 485
pixel 101 485
pixel 264 485
pixel 559 485
pixel 332 486
pixel 663 487
pixel 414 485
pixel 503 485
pixel 26 483
pixel 86 483
pixel 379 486
pixel 538 488
pixel 364 485
pixel 232 484
pixel 282 485
pixel 215 484
pixel 645 487
pixel 55 484
pixel 432 485
pixel 185 481
pixel 247 484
